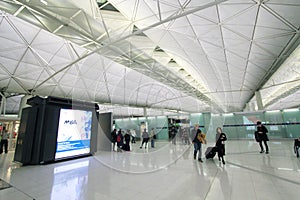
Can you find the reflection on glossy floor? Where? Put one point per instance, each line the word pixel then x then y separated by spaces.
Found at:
pixel 165 172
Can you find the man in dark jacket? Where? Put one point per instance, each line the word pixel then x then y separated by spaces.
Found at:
pixel 196 142
pixel 4 140
pixel 261 136
pixel 127 140
pixel 114 138
pixel 297 146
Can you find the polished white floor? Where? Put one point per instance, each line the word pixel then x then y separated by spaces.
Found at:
pixel 165 172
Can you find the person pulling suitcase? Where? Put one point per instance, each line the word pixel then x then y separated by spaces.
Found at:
pixel 220 144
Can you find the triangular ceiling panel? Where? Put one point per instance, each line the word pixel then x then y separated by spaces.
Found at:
pixel 4 81
pixel 120 30
pixel 44 56
pixel 166 8
pixel 27 83
pixel 268 25
pixel 262 33
pixel 230 11
pixel 53 43
pixel 241 48
pixel 45 74
pixel 67 12
pixel 8 65
pixel 50 25
pixel 182 26
pixel 275 45
pixel 14 54
pixel 8 32
pixel 212 49
pixel 235 60
pixel 31 58
pixel 29 15
pixel 85 95
pixel 289 11
pixel 242 24
pixel 8 45
pixel 209 13
pixel 213 36
pixel 15 87
pixel 79 81
pixel 261 53
pixel 27 70
pixel 200 25
pixel 254 71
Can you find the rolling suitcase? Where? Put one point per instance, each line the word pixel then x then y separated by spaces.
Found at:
pixel 210 152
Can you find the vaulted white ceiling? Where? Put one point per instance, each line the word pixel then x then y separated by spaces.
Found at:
pixel 189 55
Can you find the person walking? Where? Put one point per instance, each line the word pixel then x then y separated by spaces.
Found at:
pixel 133 135
pixel 120 140
pixel 297 146
pixel 127 140
pixel 4 141
pixel 145 137
pixel 173 134
pixel 185 137
pixel 114 139
pixel 261 136
pixel 152 137
pixel 195 137
pixel 220 144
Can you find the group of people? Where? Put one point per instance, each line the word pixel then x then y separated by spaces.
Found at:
pixel 197 137
pixel 123 140
pixel 146 137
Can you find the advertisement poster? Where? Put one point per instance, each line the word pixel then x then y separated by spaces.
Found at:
pixel 74 133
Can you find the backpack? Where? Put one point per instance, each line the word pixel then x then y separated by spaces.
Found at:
pixel 118 138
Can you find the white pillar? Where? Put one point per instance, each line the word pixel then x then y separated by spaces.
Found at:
pixel 3 104
pixel 247 108
pixel 259 100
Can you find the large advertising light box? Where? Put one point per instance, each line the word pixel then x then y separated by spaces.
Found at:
pixel 74 133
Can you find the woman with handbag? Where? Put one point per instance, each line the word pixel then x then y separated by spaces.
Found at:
pixel 220 144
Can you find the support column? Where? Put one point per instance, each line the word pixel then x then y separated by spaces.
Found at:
pixel 247 108
pixel 250 106
pixel 145 112
pixel 3 104
pixel 259 100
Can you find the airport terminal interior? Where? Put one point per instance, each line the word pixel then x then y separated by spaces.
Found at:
pixel 73 71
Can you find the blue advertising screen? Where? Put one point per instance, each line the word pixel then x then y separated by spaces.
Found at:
pixel 74 133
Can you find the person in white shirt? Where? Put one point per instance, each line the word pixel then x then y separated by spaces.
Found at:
pixel 152 137
pixel 133 135
pixel 145 137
